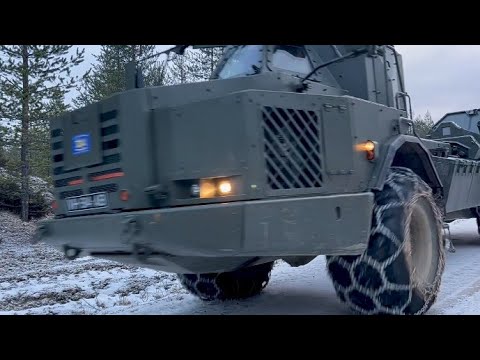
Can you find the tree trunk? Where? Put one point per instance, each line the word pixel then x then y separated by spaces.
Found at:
pixel 212 63
pixel 182 70
pixel 24 140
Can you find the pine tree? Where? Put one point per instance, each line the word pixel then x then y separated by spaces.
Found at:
pixel 156 73
pixel 194 65
pixel 107 75
pixel 3 146
pixel 182 69
pixel 423 125
pixel 30 76
pixel 204 62
pixel 40 137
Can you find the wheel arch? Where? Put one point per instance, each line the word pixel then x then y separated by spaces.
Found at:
pixel 409 152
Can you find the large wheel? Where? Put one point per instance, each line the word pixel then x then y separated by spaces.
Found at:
pixel 239 284
pixel 401 270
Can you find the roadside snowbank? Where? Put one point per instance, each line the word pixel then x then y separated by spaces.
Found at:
pixel 36 279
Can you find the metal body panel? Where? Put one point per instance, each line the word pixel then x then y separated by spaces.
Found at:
pixel 302 226
pixel 461 180
pixel 78 129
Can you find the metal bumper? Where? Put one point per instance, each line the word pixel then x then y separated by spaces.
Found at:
pixel 322 225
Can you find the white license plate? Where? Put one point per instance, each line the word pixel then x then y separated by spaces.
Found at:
pixel 87 202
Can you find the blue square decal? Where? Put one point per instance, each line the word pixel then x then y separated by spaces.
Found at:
pixel 81 144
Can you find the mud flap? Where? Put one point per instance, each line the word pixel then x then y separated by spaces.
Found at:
pixel 477 218
pixel 448 239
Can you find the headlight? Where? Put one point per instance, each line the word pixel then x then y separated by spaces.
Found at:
pixel 211 188
pixel 225 187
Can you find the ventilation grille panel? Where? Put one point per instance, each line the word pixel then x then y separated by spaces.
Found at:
pixel 292 148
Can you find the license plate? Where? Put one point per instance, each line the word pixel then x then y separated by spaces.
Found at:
pixel 87 202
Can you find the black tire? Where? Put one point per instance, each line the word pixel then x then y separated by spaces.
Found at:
pixel 239 284
pixel 401 270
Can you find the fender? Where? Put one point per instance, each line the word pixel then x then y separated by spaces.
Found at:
pixel 406 151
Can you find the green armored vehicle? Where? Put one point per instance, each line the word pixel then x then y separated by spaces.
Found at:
pixel 288 152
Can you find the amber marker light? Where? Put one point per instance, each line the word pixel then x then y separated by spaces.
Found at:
pixel 108 176
pixel 75 182
pixel 124 195
pixel 207 189
pixel 368 147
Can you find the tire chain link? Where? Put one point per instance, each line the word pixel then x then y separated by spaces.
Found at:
pixel 192 281
pixel 421 189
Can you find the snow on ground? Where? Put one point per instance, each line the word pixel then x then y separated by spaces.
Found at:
pixel 36 279
pixel 460 291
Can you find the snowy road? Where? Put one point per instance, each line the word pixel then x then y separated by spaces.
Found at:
pixel 307 290
pixel 37 280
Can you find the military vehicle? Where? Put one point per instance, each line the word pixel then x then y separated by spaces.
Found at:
pixel 288 152
pixel 461 131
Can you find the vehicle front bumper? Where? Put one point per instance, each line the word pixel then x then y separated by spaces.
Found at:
pixel 306 226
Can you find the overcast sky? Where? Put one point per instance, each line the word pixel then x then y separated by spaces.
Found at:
pixel 439 78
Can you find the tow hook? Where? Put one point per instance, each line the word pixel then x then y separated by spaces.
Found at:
pixel 447 238
pixel 71 253
pixel 131 227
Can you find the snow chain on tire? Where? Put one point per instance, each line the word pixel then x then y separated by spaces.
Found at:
pixel 239 284
pixel 380 281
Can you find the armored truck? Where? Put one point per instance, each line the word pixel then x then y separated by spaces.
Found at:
pixel 288 152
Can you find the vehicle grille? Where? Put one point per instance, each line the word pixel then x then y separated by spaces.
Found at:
pixel 72 193
pixel 292 148
pixel 103 188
